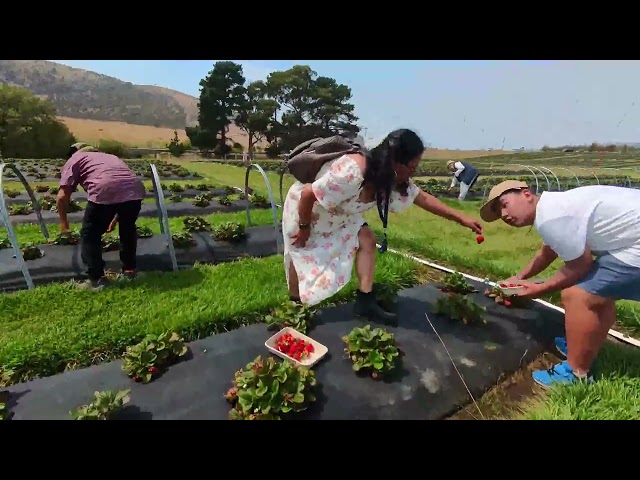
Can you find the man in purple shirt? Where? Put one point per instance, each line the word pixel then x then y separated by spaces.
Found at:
pixel 112 189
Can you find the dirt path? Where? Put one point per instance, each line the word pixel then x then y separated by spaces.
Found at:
pixel 509 398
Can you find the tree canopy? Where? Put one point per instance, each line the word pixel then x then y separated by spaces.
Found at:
pixel 290 107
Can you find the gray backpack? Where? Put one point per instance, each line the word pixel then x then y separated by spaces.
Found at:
pixel 306 160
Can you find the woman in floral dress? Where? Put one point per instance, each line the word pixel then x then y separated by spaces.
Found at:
pixel 324 227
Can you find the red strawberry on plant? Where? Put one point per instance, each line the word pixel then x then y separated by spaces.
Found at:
pixel 153 370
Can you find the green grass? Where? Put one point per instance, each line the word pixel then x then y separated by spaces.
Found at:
pixel 57 327
pixel 614 396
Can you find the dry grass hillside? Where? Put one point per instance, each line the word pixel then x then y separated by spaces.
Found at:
pixel 79 93
pixel 187 102
pixel 91 131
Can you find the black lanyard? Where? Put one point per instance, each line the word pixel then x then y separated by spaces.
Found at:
pixel 384 217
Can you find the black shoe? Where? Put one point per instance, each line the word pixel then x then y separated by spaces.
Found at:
pixel 295 299
pixel 367 306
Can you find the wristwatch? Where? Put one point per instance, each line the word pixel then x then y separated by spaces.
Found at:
pixel 303 226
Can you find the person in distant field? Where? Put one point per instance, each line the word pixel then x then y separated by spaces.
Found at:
pixel 576 225
pixel 112 190
pixel 464 174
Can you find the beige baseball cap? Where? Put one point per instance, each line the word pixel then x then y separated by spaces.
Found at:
pixel 487 212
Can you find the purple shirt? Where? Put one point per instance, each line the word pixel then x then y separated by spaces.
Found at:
pixel 105 178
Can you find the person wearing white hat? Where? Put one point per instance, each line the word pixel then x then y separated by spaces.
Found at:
pixel 464 174
pixel 577 225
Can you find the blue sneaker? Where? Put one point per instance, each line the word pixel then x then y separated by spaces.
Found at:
pixel 561 345
pixel 558 374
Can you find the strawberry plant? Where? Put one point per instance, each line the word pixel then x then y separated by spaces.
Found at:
pixel 176 187
pixel 229 190
pixel 175 198
pixel 294 347
pixel 53 190
pixel 70 238
pixel 41 188
pixel 104 406
pixel 502 298
pixel 202 187
pixel 11 193
pixel 24 209
pixel 46 202
pixel 268 390
pixel 224 200
pixel 143 231
pixel 72 207
pixel 4 243
pixel 229 232
pixel 4 412
pixel 31 252
pixel 291 314
pixel 460 307
pixel 145 359
pixel 259 201
pixel 110 243
pixel 183 240
pixel 373 351
pixel 196 224
pixel 456 283
pixel 200 201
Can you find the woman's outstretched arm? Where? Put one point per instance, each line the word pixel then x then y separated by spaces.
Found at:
pixel 432 204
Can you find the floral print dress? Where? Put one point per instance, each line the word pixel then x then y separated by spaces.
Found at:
pixel 324 265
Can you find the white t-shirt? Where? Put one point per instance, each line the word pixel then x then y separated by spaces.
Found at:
pixel 459 169
pixel 604 217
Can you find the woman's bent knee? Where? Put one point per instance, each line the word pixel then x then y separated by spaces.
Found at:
pixel 366 239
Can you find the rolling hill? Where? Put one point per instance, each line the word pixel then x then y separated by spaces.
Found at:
pixel 96 106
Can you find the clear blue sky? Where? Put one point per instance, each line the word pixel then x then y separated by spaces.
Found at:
pixel 451 104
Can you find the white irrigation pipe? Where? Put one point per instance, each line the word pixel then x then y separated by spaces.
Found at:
pixel 620 336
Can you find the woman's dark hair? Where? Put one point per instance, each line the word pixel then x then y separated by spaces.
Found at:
pixel 400 146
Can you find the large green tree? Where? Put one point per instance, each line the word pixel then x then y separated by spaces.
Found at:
pixel 221 95
pixel 29 127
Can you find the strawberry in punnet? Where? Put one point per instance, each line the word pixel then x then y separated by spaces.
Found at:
pixel 292 347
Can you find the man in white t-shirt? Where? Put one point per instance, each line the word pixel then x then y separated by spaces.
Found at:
pixel 576 225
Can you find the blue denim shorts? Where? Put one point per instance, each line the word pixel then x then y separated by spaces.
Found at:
pixel 611 278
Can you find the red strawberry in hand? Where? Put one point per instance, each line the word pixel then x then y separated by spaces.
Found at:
pixel 480 239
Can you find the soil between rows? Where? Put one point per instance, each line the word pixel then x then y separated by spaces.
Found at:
pixel 426 386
